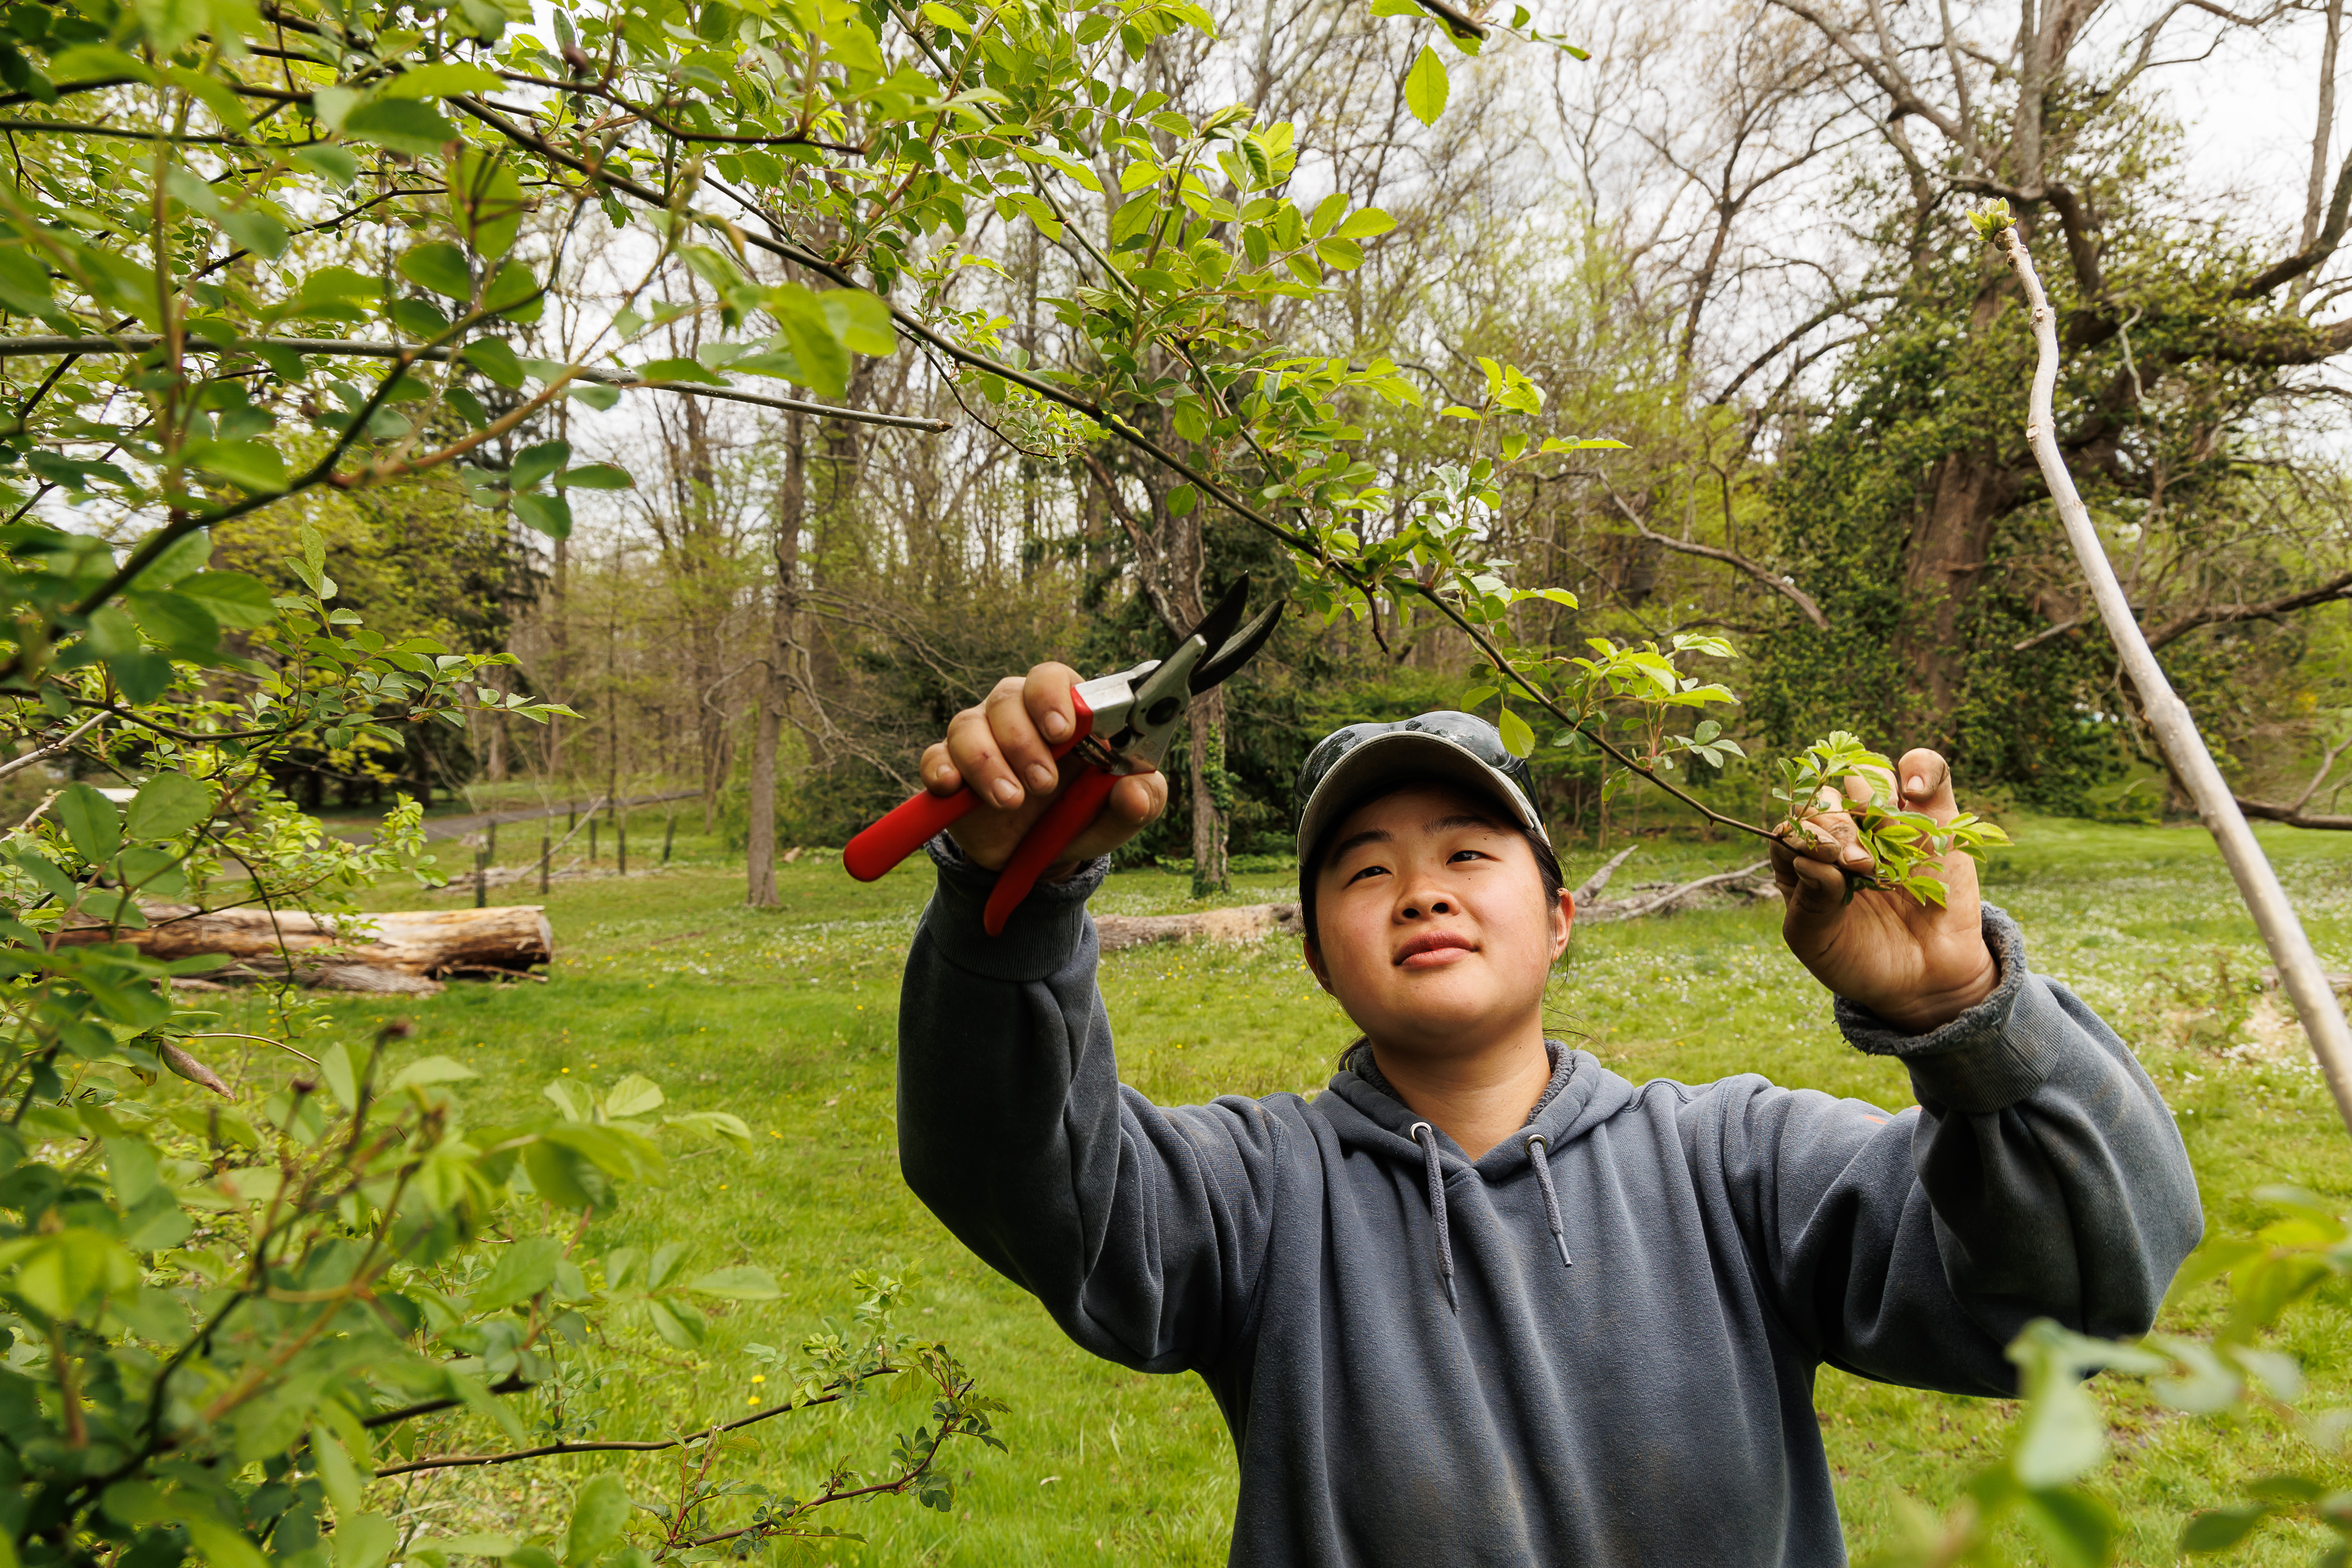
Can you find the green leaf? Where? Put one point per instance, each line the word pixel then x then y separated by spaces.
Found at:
pixel 2078 1529
pixel 445 79
pixel 364 1541
pixel 496 359
pixel 550 515
pixel 233 598
pixel 256 231
pixel 176 622
pixel 254 466
pixel 944 16
pixel 96 62
pixel 24 282
pixel 131 1169
pixel 1518 738
pixel 488 202
pixel 742 1283
pixel 679 369
pixel 563 1176
pixel 515 294
pixel 860 321
pixel 522 1271
pixel 595 477
pixel 808 330
pixel 1363 224
pixel 336 164
pixel 2220 1528
pixel 89 820
pixel 599 1513
pixel 535 462
pixel 635 1095
pixel 431 1069
pixel 401 125
pixel 171 23
pixel 1340 255
pixel 439 266
pixel 166 806
pixel 337 1475
pixel 1426 87
pixel 679 1325
pixel 341 1077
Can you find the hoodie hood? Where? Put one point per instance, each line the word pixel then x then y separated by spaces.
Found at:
pixel 1369 1115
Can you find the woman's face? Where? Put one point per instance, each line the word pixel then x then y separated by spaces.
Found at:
pixel 1433 928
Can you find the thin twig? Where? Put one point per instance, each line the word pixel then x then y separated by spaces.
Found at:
pixel 52 749
pixel 454 1461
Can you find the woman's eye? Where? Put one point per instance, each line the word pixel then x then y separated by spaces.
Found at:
pixel 1467 855
pixel 1369 871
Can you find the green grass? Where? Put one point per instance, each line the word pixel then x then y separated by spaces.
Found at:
pixel 787 1018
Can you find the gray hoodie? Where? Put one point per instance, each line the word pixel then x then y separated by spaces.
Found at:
pixel 1593 1344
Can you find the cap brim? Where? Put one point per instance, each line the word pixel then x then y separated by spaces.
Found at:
pixel 1402 754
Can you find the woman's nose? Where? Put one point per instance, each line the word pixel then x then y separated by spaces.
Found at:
pixel 1435 907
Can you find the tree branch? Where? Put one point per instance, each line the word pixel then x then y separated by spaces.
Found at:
pixel 454 1461
pixel 2315 253
pixel 362 348
pixel 2335 589
pixel 1738 562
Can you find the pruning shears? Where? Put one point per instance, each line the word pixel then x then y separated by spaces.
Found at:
pixel 1124 724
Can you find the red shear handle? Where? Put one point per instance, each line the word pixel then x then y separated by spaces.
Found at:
pixel 1067 818
pixel 905 830
pixel 910 826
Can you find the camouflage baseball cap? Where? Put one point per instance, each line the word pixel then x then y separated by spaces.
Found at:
pixel 1453 748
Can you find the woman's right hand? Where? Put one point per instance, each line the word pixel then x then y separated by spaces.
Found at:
pixel 1003 750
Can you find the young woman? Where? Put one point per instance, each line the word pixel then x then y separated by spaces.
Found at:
pixel 1483 1300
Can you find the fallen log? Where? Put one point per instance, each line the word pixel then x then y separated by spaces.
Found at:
pixel 1589 891
pixel 407 954
pixel 1663 896
pixel 1246 923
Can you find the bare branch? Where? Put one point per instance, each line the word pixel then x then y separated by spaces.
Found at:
pixel 1737 561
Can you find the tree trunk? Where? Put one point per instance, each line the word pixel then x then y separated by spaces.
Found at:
pixel 775 690
pixel 1945 562
pixel 1212 793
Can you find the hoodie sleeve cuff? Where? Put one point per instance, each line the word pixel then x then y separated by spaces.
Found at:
pixel 1039 937
pixel 1991 1056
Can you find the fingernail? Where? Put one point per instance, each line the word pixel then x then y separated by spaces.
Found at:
pixel 1915 784
pixel 1055 726
pixel 1006 792
pixel 1856 854
pixel 1041 777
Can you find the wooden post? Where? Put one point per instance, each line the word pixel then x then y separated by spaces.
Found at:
pixel 669 837
pixel 592 840
pixel 545 855
pixel 2169 719
pixel 481 878
pixel 621 845
pixel 491 840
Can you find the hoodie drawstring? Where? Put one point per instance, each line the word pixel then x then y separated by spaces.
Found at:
pixel 1437 1208
pixel 1542 1162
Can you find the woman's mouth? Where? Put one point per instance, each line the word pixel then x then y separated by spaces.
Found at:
pixel 1430 952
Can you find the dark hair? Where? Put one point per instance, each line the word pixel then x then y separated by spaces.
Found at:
pixel 1547 858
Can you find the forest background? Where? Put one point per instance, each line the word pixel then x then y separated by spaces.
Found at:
pixel 1733 242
